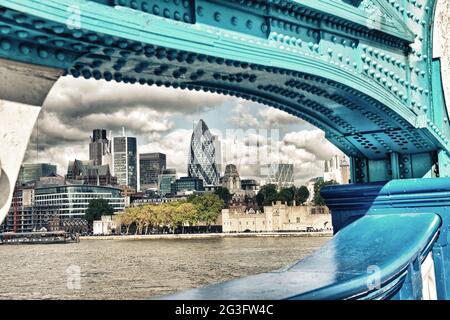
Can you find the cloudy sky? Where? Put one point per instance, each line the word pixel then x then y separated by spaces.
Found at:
pixel 162 119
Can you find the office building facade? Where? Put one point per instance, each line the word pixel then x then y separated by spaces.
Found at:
pixel 31 172
pixel 165 182
pixel 125 161
pixel 186 185
pixel 20 217
pixel 73 201
pixel 56 208
pixel 151 165
pixel 281 175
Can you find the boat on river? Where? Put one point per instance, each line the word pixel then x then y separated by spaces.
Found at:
pixel 38 237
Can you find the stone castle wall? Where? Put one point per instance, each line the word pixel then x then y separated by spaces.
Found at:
pixel 278 217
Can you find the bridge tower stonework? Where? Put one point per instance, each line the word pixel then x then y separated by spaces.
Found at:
pixel 370 73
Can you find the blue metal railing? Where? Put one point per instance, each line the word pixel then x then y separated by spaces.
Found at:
pixel 370 258
pixel 384 235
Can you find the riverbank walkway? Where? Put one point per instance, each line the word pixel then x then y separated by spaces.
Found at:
pixel 209 235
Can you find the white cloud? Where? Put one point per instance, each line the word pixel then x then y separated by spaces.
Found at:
pixel 76 106
pixel 73 98
pixel 175 145
pixel 59 155
pixel 242 116
pixel 313 141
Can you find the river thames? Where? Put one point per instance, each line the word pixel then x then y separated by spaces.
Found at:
pixel 140 269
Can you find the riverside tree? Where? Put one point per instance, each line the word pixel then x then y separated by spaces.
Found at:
pixel 225 195
pixel 209 207
pixel 204 208
pixel 96 209
pixel 318 200
pixel 268 194
pixel 301 195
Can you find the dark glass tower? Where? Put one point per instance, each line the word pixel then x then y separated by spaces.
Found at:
pixel 202 155
pixel 151 165
pixel 34 171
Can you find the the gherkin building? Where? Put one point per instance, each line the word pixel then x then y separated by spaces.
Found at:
pixel 202 155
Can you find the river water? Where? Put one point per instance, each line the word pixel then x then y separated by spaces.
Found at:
pixel 139 269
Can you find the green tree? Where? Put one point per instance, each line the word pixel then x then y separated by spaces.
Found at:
pixel 166 216
pixel 286 195
pixel 125 218
pixel 225 195
pixel 148 213
pixel 140 219
pixel 266 195
pixel 301 195
pixel 318 200
pixel 97 208
pixel 185 214
pixel 209 206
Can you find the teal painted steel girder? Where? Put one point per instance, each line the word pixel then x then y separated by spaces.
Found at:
pixel 361 70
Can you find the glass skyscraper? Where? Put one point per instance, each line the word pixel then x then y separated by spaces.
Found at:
pixel 187 185
pixel 165 182
pixel 281 175
pixel 125 161
pixel 202 155
pixel 30 172
pixel 151 165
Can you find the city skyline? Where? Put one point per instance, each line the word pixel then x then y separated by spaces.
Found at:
pixel 162 120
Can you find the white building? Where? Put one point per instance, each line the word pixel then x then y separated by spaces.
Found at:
pixel 106 226
pixel 337 169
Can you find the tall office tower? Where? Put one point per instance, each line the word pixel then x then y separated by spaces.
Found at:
pixel 30 172
pixel 100 148
pixel 218 147
pixel 281 175
pixel 202 156
pixel 125 161
pixel 151 165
